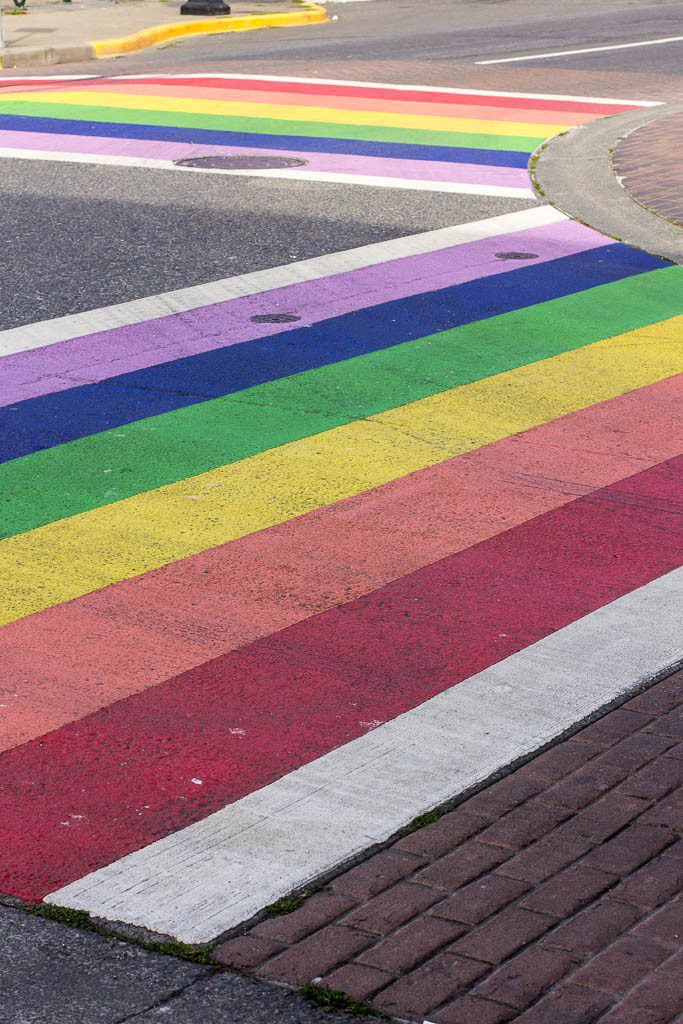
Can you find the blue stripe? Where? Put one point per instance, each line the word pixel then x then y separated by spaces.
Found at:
pixel 161 133
pixel 66 415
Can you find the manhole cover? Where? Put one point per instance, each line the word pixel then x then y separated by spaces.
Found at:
pixel 516 256
pixel 239 163
pixel 275 318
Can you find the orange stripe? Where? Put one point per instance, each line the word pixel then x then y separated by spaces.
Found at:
pixel 474 112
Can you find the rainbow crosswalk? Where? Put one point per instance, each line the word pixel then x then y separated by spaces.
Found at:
pixel 386 135
pixel 244 565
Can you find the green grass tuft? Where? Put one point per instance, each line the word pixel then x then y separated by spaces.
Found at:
pixel 195 954
pixel 65 915
pixel 331 999
pixel 288 904
pixel 423 819
pixel 82 920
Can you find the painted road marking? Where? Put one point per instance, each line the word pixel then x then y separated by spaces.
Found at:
pixel 214 874
pixel 140 753
pixel 443 93
pixel 212 103
pixel 377 181
pixel 60 366
pixel 183 300
pixel 212 524
pixel 340 328
pixel 72 556
pixel 588 49
pixel 471 142
pixel 142 648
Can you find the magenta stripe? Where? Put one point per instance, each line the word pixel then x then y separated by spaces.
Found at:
pixel 335 163
pixel 105 354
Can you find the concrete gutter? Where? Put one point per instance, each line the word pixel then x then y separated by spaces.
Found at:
pixel 575 173
pixel 157 35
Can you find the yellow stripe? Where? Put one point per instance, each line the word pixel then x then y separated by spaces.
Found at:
pixel 71 557
pixel 286 112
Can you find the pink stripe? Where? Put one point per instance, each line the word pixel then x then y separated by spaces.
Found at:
pixel 98 356
pixel 333 163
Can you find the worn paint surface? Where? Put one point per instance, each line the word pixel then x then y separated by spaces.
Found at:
pixel 234 551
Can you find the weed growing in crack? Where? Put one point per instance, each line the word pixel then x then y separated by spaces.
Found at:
pixel 331 999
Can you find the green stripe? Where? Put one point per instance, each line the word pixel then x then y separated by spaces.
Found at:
pixel 265 126
pixel 103 468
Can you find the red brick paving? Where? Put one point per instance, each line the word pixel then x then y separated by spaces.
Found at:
pixel 551 897
pixel 649 163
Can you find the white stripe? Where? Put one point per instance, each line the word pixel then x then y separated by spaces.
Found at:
pixel 48 332
pixel 588 49
pixel 48 78
pixel 220 872
pixel 405 88
pixel 376 181
pixel 460 188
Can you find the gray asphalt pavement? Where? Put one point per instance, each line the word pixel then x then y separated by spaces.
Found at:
pixel 664 58
pixel 90 236
pixel 85 236
pixel 51 973
pixel 438 31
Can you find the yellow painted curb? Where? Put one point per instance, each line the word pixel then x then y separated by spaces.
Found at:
pixel 207 26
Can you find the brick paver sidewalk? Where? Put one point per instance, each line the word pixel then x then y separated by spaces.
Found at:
pixel 649 163
pixel 551 897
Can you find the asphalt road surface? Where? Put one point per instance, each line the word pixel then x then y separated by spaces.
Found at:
pixel 127 248
pixel 446 30
pixel 115 623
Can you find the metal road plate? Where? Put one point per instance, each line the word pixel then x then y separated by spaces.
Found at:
pixel 240 163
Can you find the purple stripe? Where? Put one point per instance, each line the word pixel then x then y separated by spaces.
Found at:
pixel 105 354
pixel 335 163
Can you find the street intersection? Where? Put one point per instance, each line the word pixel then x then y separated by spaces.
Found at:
pixel 295 555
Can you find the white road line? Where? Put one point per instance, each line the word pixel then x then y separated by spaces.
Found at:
pixel 588 49
pixel 217 873
pixel 374 181
pixel 47 78
pixel 48 332
pixel 407 88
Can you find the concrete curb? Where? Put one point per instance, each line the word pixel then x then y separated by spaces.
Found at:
pixel 158 34
pixel 567 162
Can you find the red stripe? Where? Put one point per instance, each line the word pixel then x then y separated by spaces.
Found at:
pixel 376 92
pixel 97 789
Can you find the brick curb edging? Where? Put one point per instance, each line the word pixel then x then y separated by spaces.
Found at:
pixel 553 887
pixel 647 162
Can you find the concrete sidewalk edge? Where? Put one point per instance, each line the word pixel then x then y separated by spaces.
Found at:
pixel 159 34
pixel 606 206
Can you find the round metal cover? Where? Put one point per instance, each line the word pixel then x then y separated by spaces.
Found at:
pixel 275 318
pixel 516 256
pixel 247 162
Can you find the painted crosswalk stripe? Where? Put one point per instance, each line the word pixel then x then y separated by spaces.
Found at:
pixel 69 557
pixel 214 874
pixel 63 415
pixel 156 626
pixel 468 141
pixel 182 300
pixel 462 452
pixel 360 663
pixel 67 479
pixel 30 373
